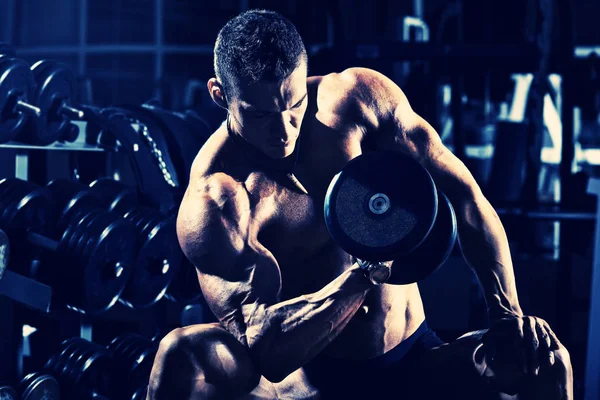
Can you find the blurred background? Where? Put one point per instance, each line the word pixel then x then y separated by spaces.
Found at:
pixel 512 87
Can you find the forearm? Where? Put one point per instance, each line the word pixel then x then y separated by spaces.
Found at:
pixel 285 336
pixel 485 248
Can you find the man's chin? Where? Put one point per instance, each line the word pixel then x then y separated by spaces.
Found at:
pixel 278 152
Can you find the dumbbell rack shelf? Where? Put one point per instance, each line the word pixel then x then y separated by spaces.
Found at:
pixel 78 145
pixel 21 290
pixel 26 291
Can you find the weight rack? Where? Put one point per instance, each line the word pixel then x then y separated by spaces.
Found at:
pixel 17 289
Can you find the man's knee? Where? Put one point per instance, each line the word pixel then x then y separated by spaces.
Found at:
pixel 203 360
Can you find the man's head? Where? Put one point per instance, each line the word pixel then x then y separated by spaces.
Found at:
pixel 261 67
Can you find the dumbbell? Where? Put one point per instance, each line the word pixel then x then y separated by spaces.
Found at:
pixel 384 206
pixel 160 257
pixel 157 255
pixel 8 393
pixel 54 94
pixel 16 91
pixel 38 386
pixel 88 265
pixel 133 356
pixel 83 370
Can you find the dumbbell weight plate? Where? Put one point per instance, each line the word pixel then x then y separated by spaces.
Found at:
pixel 117 197
pixel 140 393
pixel 160 137
pixel 8 393
pixel 434 251
pixel 111 251
pixel 41 387
pixel 77 267
pixel 16 83
pixel 184 142
pixel 71 199
pixel 156 263
pixel 56 85
pixel 23 205
pixel 380 205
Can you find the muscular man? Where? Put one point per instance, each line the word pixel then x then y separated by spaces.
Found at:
pixel 297 317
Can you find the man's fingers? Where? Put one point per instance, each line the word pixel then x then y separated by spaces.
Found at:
pixel 545 345
pixel 531 344
pixel 554 342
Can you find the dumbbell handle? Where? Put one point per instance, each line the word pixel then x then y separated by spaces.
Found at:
pixel 42 241
pixel 46 243
pixel 71 112
pixel 28 109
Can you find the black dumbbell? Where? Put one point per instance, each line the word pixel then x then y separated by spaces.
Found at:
pixel 385 206
pixel 159 257
pixel 133 356
pixel 39 386
pixel 8 393
pixel 16 92
pixel 82 368
pixel 88 266
pixel 54 95
pixel 119 198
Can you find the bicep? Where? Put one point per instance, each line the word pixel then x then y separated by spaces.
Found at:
pixel 237 275
pixel 240 288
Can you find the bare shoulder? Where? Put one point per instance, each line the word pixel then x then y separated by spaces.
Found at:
pixel 361 94
pixel 214 214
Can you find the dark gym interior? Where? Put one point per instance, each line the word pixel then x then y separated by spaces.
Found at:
pixel 104 106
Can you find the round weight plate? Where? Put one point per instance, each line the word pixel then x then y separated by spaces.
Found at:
pixel 96 371
pixel 140 393
pixel 433 252
pixel 380 205
pixel 24 207
pixel 16 83
pixel 71 199
pixel 8 393
pixel 156 264
pixel 108 261
pixel 43 387
pixel 117 197
pixel 26 381
pixel 56 86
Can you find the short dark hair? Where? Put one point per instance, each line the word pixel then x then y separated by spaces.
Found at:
pixel 257 45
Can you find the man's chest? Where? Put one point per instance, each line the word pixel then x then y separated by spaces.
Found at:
pixel 292 223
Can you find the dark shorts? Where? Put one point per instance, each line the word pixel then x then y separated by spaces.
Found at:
pixel 421 367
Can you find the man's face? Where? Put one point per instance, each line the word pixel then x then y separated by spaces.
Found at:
pixel 269 115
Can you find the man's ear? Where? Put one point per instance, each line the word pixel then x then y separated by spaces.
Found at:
pixel 217 93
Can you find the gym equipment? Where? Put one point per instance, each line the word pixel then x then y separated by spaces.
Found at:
pixel 133 355
pixel 55 92
pixel 88 266
pixel 82 369
pixel 38 386
pixel 122 200
pixel 155 178
pixel 16 90
pixel 184 133
pixel 8 393
pixel 158 257
pixel 384 206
